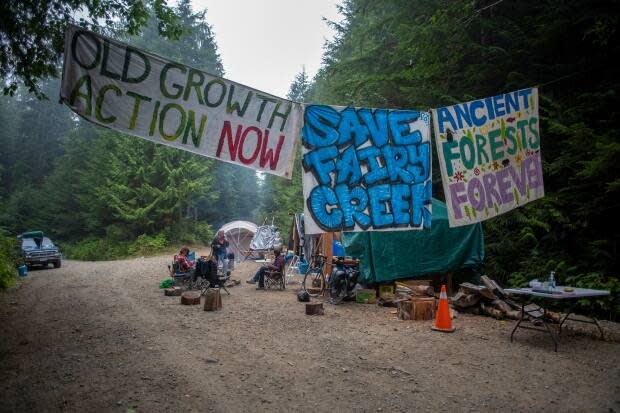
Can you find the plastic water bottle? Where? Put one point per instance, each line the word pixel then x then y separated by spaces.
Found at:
pixel 552 280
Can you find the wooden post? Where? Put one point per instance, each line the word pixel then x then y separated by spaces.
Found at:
pixel 328 239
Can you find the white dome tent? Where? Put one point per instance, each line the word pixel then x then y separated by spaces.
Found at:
pixel 239 235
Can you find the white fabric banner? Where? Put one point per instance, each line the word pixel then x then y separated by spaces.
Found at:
pixel 136 92
pixel 366 169
pixel 489 155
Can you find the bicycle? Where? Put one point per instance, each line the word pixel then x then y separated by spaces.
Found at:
pixel 314 278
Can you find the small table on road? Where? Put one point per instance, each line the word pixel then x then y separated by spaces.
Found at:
pixel 557 293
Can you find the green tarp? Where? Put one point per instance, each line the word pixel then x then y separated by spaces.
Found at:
pixel 387 256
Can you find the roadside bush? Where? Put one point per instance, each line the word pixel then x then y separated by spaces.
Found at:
pixel 148 245
pixel 9 259
pixel 95 249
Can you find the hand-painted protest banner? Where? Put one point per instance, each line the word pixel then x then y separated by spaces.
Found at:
pixel 136 92
pixel 366 169
pixel 489 152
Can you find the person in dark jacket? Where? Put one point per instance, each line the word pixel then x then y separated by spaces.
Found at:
pixel 219 245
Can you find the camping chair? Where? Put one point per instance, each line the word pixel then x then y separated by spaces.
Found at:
pixel 179 277
pixel 275 279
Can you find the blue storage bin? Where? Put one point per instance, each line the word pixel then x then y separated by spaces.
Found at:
pixel 22 270
pixel 303 267
pixel 337 249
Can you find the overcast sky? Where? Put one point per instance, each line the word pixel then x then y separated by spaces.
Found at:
pixel 265 43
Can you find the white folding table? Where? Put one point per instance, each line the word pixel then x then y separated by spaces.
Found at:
pixel 558 294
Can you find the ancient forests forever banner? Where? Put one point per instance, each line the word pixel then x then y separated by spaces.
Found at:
pixel 132 91
pixel 489 155
pixel 366 169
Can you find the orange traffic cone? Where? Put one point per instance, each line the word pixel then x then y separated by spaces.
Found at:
pixel 443 322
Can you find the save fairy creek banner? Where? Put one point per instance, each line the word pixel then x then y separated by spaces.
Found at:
pixel 365 169
pixel 489 155
pixel 133 91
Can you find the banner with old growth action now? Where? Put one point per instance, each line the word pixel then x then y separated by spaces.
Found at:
pixel 489 155
pixel 133 91
pixel 365 169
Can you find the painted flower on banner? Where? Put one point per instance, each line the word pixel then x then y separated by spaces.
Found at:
pixel 519 158
pixel 495 165
pixel 458 176
pixel 477 171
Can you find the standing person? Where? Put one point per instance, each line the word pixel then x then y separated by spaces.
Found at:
pixel 219 245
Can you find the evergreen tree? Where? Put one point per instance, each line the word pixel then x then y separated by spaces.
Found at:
pixel 421 54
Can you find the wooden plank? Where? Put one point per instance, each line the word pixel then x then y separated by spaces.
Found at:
pixel 328 239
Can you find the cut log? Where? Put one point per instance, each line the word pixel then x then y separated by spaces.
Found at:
pixel 492 311
pixel 173 291
pixel 513 314
pixel 470 288
pixel 423 290
pixel 501 305
pixel 404 310
pixel 190 298
pixel 314 309
pixel 423 308
pixel 462 301
pixel 493 286
pixel 213 300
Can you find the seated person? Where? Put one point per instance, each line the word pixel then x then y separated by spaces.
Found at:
pixel 184 263
pixel 276 265
pixel 206 267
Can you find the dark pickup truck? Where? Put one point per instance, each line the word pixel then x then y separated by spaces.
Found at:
pixel 37 249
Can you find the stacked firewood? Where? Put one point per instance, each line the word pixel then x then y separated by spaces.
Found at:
pixel 490 299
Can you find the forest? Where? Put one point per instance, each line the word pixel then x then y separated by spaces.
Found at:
pixel 105 195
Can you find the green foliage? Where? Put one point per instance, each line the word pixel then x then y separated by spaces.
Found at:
pixel 98 191
pixel 32 32
pixel 609 305
pixel 9 259
pixel 281 198
pixel 95 249
pixel 423 53
pixel 148 245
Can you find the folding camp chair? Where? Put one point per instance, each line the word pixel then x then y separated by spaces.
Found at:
pixel 180 277
pixel 275 279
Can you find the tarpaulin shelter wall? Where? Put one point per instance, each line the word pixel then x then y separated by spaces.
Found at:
pixel 387 256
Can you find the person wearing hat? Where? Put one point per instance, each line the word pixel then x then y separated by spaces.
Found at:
pixel 276 265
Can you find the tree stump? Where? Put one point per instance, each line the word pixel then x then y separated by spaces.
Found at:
pixel 173 291
pixel 404 310
pixel 190 298
pixel 213 300
pixel 422 308
pixel 314 309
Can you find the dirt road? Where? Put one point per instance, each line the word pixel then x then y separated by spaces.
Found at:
pixel 101 337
